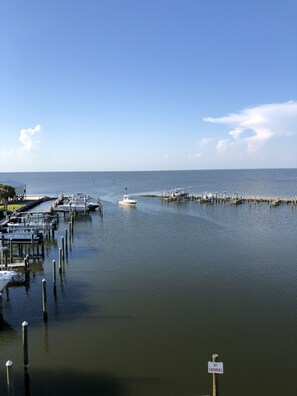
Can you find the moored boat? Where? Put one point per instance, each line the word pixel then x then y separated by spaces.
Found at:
pixel 6 277
pixel 78 203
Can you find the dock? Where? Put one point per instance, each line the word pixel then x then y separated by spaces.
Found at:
pixel 215 198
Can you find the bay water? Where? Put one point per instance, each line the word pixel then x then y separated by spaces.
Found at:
pixel 150 293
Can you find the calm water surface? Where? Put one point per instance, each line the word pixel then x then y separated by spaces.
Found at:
pixel 149 293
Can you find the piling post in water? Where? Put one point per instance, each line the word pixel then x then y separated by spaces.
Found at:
pixel 215 390
pixel 10 249
pixel 60 260
pixel 54 274
pixel 44 300
pixel 70 234
pixel 25 345
pixel 42 246
pixel 70 231
pixel 6 258
pixel 26 262
pixel 37 248
pixel 9 377
pixel 66 241
pixel 32 244
pixel 63 247
pixel 72 222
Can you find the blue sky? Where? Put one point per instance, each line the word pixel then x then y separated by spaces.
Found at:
pixel 147 85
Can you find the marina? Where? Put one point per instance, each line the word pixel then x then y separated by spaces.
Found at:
pixel 149 294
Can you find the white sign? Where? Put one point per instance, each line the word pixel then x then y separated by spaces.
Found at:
pixel 215 367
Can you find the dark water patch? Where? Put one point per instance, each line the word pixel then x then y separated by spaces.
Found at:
pixel 64 382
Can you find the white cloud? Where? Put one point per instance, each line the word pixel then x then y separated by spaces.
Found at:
pixel 29 139
pixel 257 125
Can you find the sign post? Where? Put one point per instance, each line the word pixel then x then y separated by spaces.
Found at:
pixel 215 368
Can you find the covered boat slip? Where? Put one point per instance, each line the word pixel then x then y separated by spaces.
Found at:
pixel 14 250
pixel 79 203
pixel 23 235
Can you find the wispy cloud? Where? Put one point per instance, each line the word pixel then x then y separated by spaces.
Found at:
pixel 255 126
pixel 29 141
pixel 201 147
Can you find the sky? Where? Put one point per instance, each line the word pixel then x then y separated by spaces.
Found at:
pixel 133 85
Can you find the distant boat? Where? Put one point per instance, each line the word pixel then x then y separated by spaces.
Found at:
pixel 179 193
pixel 207 198
pixel 236 200
pixel 127 200
pixel 275 202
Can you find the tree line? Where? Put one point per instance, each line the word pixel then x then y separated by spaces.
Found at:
pixel 6 193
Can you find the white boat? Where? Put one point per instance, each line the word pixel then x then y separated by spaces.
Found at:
pixel 7 274
pixel 206 198
pixel 179 193
pixel 236 200
pixel 127 200
pixel 79 203
pixel 6 277
pixel 275 202
pixel 82 198
pixel 73 207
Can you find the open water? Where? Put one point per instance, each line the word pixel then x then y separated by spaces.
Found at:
pixel 150 293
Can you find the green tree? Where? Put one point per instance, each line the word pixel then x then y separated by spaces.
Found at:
pixel 6 192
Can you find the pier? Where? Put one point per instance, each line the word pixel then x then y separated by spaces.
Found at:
pixel 215 198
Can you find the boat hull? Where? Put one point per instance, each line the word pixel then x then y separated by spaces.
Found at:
pixel 126 203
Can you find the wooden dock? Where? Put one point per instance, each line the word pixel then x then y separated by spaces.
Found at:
pixel 223 198
pixel 242 199
pixel 20 265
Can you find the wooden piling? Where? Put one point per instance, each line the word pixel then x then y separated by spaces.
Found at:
pixel 70 230
pixel 63 247
pixel 60 260
pixel 215 390
pixel 72 223
pixel 25 345
pixel 54 274
pixel 42 247
pixel 44 300
pixel 10 250
pixel 32 244
pixel 27 271
pixel 66 241
pixel 9 377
